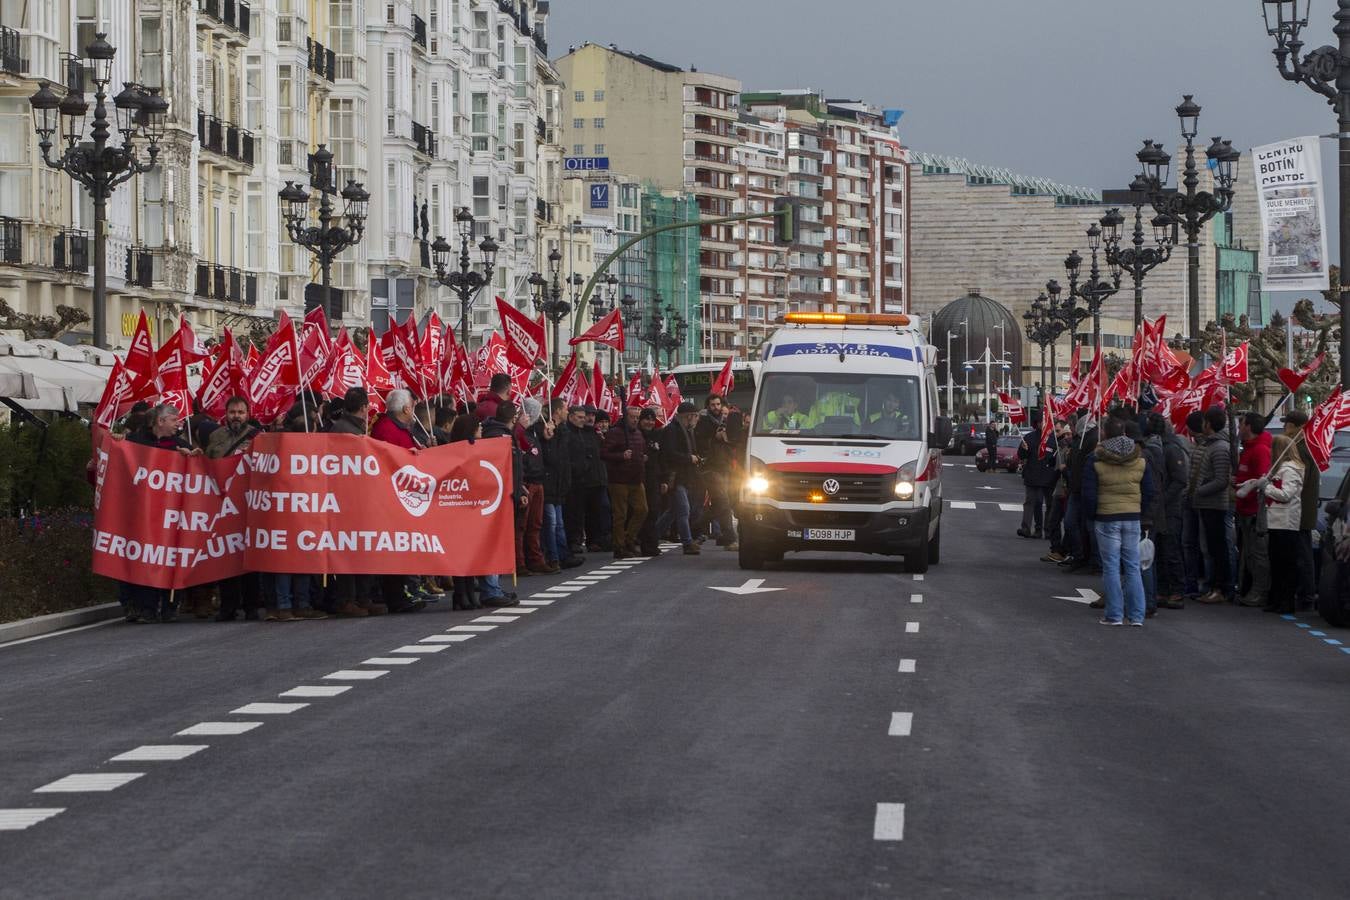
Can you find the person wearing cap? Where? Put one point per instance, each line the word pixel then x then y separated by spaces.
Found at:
pixel 583 511
pixel 1117 488
pixel 721 440
pixel 1254 463
pixel 679 448
pixel 655 484
pixel 1294 423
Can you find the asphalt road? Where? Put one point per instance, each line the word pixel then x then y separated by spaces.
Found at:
pixel 648 736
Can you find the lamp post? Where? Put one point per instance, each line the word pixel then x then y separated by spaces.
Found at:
pixel 1189 206
pixel 326 239
pixel 1137 260
pixel 464 281
pixel 1067 311
pixel 602 304
pixel 629 304
pixel 548 299
pixel 950 335
pixel 1325 70
pixel 1043 329
pixel 1095 291
pixel 95 164
pixel 661 338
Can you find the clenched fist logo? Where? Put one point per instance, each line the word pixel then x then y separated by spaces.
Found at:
pixel 414 490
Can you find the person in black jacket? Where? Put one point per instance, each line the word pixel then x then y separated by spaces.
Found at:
pixel 1077 534
pixel 1038 477
pixel 500 425
pixel 721 440
pixel 656 483
pixel 553 439
pixel 529 524
pixel 679 451
pixel 583 511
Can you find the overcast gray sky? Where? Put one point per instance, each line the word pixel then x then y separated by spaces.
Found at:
pixel 1063 89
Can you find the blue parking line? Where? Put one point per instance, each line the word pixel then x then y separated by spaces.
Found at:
pixel 1332 641
pixel 1302 624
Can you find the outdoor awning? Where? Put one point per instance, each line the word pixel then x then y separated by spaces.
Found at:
pixel 49 375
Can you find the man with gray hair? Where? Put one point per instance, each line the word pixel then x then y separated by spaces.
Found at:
pixel 395 426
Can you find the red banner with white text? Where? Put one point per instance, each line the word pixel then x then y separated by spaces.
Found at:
pixel 303 503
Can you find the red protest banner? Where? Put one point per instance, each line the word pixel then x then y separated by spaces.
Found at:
pixel 309 503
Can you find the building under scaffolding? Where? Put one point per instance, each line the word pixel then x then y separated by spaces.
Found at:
pixel 672 267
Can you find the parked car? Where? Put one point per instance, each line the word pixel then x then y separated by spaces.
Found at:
pixel 1006 455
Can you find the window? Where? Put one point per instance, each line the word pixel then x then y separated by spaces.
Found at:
pixel 253 94
pixel 579 96
pixel 501 132
pixel 284 104
pixel 599 149
pixel 433 26
pixel 254 246
pixel 436 108
pixel 578 123
pixel 482 200
pixel 599 95
pixel 518 147
pixel 479 124
pixel 390 93
pixel 598 123
pixel 389 13
pixel 151 53
pixel 522 77
pixel 578 149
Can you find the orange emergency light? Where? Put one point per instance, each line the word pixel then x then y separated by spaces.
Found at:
pixel 824 318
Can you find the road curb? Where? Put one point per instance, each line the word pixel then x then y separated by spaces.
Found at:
pixel 39 625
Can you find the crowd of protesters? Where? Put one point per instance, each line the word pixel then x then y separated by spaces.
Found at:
pixel 1167 518
pixel 581 484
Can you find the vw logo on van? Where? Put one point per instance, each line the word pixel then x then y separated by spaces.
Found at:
pixel 831 486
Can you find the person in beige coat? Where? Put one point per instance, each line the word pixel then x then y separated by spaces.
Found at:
pixel 1282 491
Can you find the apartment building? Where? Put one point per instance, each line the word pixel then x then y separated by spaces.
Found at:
pixel 431 104
pixel 676 129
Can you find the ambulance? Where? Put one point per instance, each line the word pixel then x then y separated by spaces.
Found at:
pixel 845 442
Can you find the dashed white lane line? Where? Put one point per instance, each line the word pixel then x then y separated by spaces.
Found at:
pixel 316 690
pixel 1010 507
pixel 918 578
pixel 961 504
pixel 537 603
pixel 80 784
pixel 390 661
pixel 495 620
pixel 916 598
pixel 446 638
pixel 267 709
pixel 547 596
pixel 472 627
pixel 569 584
pixel 159 753
pixel 217 729
pixel 591 579
pixel 612 570
pixel 515 611
pixel 419 648
pixel 355 674
pixel 911 628
pixel 564 590
pixel 906 665
pixel 19 819
pixel 901 724
pixel 890 822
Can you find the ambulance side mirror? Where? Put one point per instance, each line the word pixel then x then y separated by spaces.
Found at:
pixel 941 438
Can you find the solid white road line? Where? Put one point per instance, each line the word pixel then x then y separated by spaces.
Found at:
pixel 962 504
pixel 419 648
pixel 355 674
pixel 316 690
pixel 472 627
pixel 549 596
pixel 495 620
pixel 911 628
pixel 901 723
pixel 916 598
pixel 217 729
pixel 447 638
pixel 19 819
pixel 267 709
pixel 43 637
pixel 906 665
pixel 1010 507
pixel 159 753
pixel 79 784
pixel 390 661
pixel 890 822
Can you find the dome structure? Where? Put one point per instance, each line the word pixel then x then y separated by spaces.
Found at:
pixel 971 321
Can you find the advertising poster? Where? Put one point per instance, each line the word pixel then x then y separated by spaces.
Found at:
pixel 1293 215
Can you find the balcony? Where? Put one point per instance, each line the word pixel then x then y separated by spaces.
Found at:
pixel 540 43
pixel 140 270
pixel 334 308
pixel 235 15
pixel 322 61
pixel 424 142
pixel 226 284
pixel 10 60
pixel 541 209
pixel 225 138
pixel 419 31
pixel 70 251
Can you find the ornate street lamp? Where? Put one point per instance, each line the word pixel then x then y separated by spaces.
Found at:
pixel 95 164
pixel 1325 70
pixel 464 281
pixel 330 235
pixel 548 299
pixel 1138 259
pixel 1096 291
pixel 1042 329
pixel 1189 206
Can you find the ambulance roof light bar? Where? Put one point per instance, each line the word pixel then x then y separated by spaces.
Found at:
pixel 824 318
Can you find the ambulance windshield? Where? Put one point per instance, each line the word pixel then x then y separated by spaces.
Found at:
pixel 839 406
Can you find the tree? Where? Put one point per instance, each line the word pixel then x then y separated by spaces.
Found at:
pixel 35 326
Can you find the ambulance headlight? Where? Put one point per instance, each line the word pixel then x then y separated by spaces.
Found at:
pixel 757 484
pixel 904 481
pixel 904 490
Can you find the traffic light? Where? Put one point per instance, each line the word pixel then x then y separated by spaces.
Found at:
pixel 785 211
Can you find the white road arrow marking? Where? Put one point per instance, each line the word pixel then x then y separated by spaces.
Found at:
pixel 1085 595
pixel 751 586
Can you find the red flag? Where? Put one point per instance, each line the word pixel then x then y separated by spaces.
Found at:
pixel 564 382
pixel 1234 368
pixel 1181 404
pixel 116 398
pixel 520 382
pixel 660 399
pixel 1293 380
pixel 1331 415
pixel 186 341
pixel 378 379
pixel 673 391
pixel 408 357
pixel 604 397
pixel 316 346
pixel 633 396
pixel 524 336
pixel 1084 390
pixel 1121 386
pixel 228 378
pixel 346 370
pixel 1017 413
pixel 608 331
pixel 276 381
pixel 433 343
pixel 1047 425
pixel 581 390
pixel 141 357
pixel 541 392
pixel 252 358
pixel 725 382
pixel 496 359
